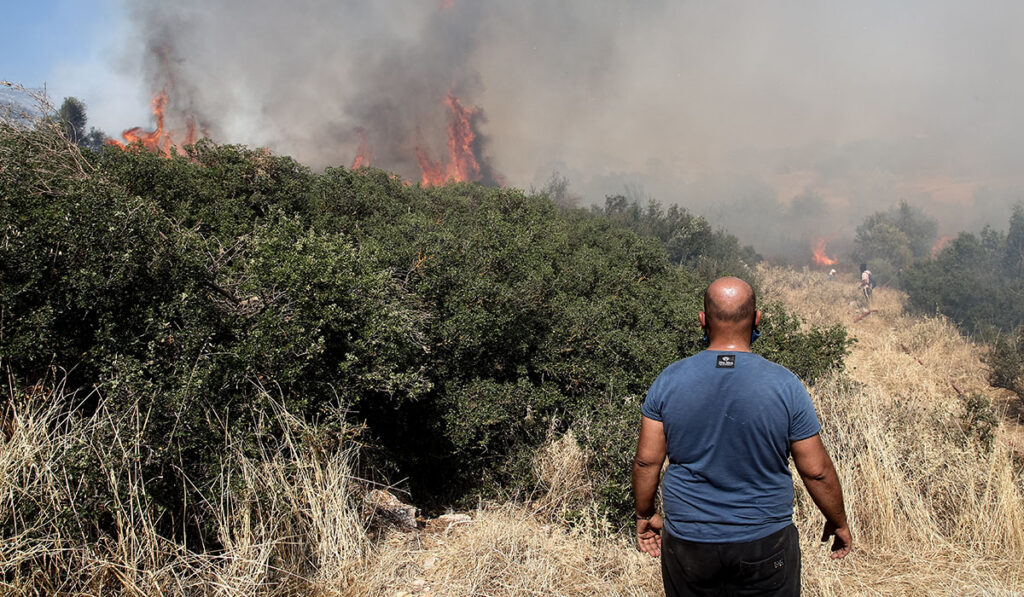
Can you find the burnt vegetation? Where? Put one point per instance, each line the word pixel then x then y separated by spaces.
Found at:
pixel 451 329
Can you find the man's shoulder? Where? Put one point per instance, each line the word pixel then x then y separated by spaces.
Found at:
pixel 774 367
pixel 680 368
pixel 755 364
pixel 773 372
pixel 686 363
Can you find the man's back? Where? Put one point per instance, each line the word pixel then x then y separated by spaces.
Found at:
pixel 729 418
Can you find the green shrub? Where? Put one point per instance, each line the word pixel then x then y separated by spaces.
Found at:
pixel 458 325
pixel 975 280
pixel 811 354
pixel 979 421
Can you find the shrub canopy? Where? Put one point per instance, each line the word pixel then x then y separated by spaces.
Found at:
pixel 458 326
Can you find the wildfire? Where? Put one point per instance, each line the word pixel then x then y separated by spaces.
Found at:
pixel 363 154
pixel 462 163
pixel 819 254
pixel 940 244
pixel 159 140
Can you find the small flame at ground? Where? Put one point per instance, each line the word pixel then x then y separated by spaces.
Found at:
pixel 819 254
pixel 462 163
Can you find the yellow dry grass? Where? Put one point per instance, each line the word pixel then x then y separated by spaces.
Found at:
pixel 934 509
pixel 502 551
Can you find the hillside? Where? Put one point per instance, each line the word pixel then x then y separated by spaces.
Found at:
pixel 215 360
pixel 933 489
pixel 934 512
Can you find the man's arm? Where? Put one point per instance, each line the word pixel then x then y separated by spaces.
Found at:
pixel 650 455
pixel 819 475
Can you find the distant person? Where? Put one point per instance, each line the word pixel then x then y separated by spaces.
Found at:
pixel 867 283
pixel 832 274
pixel 728 421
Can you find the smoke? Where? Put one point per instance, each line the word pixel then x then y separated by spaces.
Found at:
pixel 781 121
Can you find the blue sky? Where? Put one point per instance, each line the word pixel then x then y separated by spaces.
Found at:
pixel 38 35
pixel 75 48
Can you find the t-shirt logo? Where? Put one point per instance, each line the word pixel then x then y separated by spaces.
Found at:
pixel 726 361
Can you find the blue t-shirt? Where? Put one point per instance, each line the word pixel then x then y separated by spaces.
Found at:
pixel 729 418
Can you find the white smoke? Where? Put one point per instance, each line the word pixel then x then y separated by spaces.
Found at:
pixel 731 108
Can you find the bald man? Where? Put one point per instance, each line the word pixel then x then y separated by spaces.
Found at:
pixel 728 420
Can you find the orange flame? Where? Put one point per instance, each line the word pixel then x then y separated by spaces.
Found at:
pixel 940 244
pixel 190 130
pixel 819 254
pixel 363 154
pixel 160 140
pixel 462 164
pixel 154 141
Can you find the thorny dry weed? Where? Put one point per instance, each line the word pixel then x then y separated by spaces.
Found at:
pixel 934 510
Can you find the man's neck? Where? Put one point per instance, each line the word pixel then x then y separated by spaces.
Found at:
pixel 733 344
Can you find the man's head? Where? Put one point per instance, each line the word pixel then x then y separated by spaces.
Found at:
pixel 730 311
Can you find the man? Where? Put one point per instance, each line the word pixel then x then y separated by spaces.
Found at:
pixel 728 420
pixel 867 282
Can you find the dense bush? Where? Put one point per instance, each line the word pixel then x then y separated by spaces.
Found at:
pixel 459 325
pixel 976 280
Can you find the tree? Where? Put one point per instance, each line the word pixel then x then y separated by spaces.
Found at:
pixel 557 189
pixel 968 282
pixel 689 239
pixel 920 229
pixel 890 241
pixel 1014 253
pixel 878 238
pixel 72 114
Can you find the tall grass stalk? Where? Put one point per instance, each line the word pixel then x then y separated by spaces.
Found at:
pixel 287 521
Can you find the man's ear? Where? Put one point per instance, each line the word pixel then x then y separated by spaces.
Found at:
pixel 703 319
pixel 757 318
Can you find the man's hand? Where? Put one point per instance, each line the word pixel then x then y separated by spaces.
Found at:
pixel 843 539
pixel 822 482
pixel 650 454
pixel 648 535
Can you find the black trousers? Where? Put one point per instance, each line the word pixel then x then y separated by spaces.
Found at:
pixel 767 566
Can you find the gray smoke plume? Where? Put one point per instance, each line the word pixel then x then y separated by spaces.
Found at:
pixel 781 121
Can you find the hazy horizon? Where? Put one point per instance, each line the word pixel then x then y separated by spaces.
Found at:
pixel 781 122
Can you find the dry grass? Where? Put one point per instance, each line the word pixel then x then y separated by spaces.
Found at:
pixel 505 551
pixel 290 529
pixel 935 511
